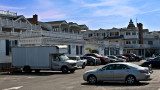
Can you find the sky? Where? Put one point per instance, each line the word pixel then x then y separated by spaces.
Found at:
pixel 96 14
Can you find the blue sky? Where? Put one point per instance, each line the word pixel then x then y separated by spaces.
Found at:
pixel 95 14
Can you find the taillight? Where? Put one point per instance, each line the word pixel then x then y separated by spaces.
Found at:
pixel 143 71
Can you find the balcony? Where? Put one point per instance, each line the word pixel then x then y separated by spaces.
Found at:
pixel 21 25
pixel 130 36
pixel 114 37
pixel 137 46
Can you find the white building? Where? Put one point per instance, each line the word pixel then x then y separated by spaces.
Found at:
pixel 131 39
pixel 16 30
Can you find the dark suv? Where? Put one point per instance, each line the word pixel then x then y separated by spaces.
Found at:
pixel 131 58
pixel 104 60
pixel 92 60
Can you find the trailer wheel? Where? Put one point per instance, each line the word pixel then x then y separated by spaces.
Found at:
pixel 64 70
pixel 37 70
pixel 27 69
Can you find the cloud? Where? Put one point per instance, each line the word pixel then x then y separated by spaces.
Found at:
pixel 10 7
pixel 107 3
pixel 155 10
pixel 45 4
pixel 51 15
pixel 124 11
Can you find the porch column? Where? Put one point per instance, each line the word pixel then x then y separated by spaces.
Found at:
pixel 0 28
pixel 144 53
pixel 60 28
pixel 12 29
pixel 109 51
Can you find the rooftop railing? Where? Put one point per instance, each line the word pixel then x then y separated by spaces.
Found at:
pixel 8 13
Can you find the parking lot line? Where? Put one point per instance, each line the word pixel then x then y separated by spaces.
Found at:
pixel 13 88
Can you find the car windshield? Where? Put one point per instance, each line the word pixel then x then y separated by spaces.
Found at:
pixel 63 57
pixel 98 55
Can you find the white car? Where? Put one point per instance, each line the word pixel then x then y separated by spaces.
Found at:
pixel 127 72
pixel 80 63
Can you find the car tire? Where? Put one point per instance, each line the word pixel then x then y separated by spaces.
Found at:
pixel 92 79
pixel 130 80
pixel 91 63
pixel 72 71
pixel 64 70
pixel 83 66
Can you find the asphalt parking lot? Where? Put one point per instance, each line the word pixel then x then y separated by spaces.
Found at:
pixel 51 80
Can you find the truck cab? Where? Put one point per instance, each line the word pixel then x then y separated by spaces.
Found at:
pixel 80 62
pixel 63 63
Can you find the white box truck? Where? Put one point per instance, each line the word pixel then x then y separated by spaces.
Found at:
pixel 42 58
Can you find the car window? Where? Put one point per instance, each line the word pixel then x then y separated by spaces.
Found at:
pixel 121 66
pixel 109 67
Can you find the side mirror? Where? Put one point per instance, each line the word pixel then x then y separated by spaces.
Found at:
pixel 101 69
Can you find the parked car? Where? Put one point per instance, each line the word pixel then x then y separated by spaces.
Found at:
pixel 104 60
pixel 92 60
pixel 123 57
pixel 80 62
pixel 155 63
pixel 136 58
pixel 120 71
pixel 117 59
pixel 131 58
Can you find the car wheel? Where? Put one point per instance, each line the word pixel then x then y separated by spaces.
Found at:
pixel 83 66
pixel 92 79
pixel 130 80
pixel 72 71
pixel 91 63
pixel 64 70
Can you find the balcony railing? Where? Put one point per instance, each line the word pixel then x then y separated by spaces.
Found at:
pixel 137 46
pixel 22 25
pixel 8 13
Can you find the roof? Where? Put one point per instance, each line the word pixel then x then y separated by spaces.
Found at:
pixel 56 22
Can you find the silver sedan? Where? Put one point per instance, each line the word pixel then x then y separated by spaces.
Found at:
pixel 127 72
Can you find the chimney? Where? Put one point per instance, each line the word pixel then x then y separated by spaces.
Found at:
pixel 140 28
pixel 35 18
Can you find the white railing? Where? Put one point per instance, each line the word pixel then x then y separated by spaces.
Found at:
pixel 29 34
pixel 130 36
pixel 9 34
pixel 8 13
pixel 22 25
pixel 137 46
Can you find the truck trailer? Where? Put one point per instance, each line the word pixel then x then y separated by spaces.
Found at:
pixel 42 58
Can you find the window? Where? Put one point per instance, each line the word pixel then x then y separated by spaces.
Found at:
pixel 114 33
pixel 120 66
pixel 69 49
pixel 127 33
pixel 150 42
pixel 109 67
pixel 133 33
pixel 9 45
pixel 128 42
pixel 81 50
pixel 134 42
pixel 77 50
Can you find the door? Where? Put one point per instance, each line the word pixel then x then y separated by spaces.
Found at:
pixel 106 73
pixel 56 62
pixel 120 72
